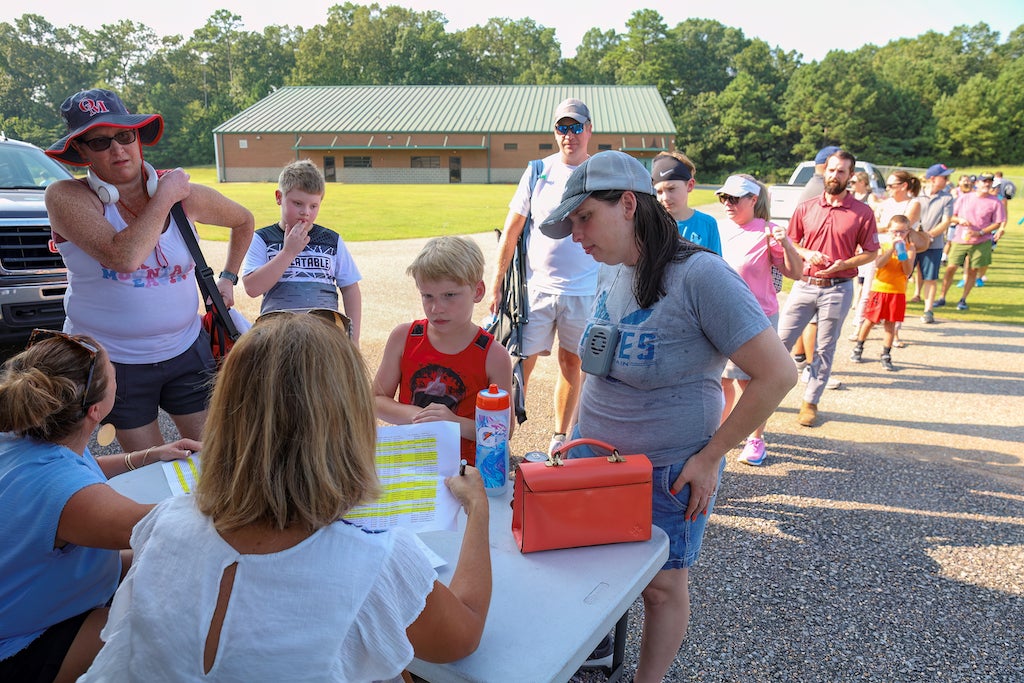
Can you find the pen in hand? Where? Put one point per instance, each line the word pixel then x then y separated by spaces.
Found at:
pixel 462 467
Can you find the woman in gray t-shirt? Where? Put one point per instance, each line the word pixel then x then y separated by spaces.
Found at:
pixel 680 312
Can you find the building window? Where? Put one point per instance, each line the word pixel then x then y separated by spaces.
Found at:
pixel 546 146
pixel 425 162
pixel 511 146
pixel 601 148
pixel 358 162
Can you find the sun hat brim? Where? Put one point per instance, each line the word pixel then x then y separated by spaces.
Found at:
pixel 150 127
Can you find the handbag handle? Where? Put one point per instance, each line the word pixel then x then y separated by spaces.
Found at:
pixel 555 459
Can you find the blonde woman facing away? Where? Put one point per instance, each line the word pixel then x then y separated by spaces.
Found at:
pixel 257 577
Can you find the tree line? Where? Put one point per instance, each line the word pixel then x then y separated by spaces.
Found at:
pixel 737 102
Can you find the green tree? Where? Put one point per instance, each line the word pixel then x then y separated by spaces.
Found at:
pixel 510 51
pixel 741 128
pixel 40 66
pixel 843 101
pixel 368 45
pixel 703 53
pixel 644 56
pixel 969 125
pixel 117 52
pixel 592 63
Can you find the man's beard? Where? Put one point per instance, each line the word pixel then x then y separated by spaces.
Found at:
pixel 833 187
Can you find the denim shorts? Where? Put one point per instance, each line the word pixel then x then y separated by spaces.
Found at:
pixel 669 512
pixel 930 262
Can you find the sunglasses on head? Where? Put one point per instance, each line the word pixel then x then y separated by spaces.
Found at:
pixel 574 128
pixel 40 335
pixel 729 199
pixel 125 137
pixel 328 315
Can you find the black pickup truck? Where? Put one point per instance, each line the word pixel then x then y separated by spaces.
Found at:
pixel 33 278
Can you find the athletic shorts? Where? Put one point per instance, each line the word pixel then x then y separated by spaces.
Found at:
pixel 552 314
pixel 181 386
pixel 980 254
pixel 890 306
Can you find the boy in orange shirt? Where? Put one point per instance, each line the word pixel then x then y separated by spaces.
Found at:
pixel 439 364
pixel 887 300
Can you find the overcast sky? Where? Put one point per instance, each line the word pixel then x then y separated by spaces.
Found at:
pixel 811 28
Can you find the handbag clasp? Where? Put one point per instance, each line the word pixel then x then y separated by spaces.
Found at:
pixel 615 457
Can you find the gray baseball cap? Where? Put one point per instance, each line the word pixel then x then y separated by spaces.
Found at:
pixel 609 170
pixel 572 109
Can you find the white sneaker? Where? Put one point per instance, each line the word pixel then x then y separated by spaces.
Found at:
pixel 805 376
pixel 834 383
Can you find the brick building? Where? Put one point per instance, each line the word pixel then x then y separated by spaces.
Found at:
pixel 429 133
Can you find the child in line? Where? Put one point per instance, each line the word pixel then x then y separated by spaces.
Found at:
pixel 439 364
pixel 297 264
pixel 674 176
pixel 887 300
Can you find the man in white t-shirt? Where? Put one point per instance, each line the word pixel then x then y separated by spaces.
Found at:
pixel 561 277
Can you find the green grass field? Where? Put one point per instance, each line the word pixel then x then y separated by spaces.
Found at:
pixel 387 212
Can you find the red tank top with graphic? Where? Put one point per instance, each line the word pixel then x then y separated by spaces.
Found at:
pixel 453 380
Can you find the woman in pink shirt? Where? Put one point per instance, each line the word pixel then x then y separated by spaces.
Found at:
pixel 752 245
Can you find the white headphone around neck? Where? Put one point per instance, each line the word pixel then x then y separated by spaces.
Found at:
pixel 108 193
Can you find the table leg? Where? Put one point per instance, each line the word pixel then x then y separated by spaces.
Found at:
pixel 618 649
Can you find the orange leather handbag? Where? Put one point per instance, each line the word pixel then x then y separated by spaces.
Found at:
pixel 583 501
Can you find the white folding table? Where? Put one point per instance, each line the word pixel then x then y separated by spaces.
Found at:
pixel 548 611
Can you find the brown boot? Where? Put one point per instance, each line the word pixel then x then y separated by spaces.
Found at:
pixel 808 414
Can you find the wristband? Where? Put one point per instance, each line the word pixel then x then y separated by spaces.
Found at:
pixel 229 276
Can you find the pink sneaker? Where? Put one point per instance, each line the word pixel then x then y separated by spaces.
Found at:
pixel 753 453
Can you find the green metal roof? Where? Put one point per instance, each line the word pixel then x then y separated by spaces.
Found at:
pixel 622 109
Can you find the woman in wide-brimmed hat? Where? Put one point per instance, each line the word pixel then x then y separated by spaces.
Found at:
pixel 131 281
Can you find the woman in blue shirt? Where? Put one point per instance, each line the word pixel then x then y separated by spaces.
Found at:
pixel 63 526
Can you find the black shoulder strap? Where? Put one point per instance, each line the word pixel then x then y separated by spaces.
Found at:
pixel 204 274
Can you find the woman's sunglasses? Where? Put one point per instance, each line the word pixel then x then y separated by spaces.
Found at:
pixel 328 315
pixel 125 137
pixel 40 335
pixel 730 200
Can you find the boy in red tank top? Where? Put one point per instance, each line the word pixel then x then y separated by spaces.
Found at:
pixel 438 364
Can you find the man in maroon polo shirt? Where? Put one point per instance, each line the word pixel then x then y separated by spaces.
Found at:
pixel 827 231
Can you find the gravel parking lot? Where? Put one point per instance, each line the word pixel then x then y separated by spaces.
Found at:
pixel 886 544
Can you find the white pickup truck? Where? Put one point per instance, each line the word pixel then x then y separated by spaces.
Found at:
pixel 784 198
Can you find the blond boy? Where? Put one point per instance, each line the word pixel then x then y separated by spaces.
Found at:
pixel 438 365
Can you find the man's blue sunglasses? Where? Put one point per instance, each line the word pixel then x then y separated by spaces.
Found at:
pixel 574 128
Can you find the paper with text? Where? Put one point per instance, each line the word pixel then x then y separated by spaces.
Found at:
pixel 412 463
pixel 182 475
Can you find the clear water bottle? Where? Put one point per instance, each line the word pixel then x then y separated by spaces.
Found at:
pixel 901 250
pixel 492 424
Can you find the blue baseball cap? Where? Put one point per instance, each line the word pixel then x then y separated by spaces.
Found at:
pixel 937 170
pixel 824 153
